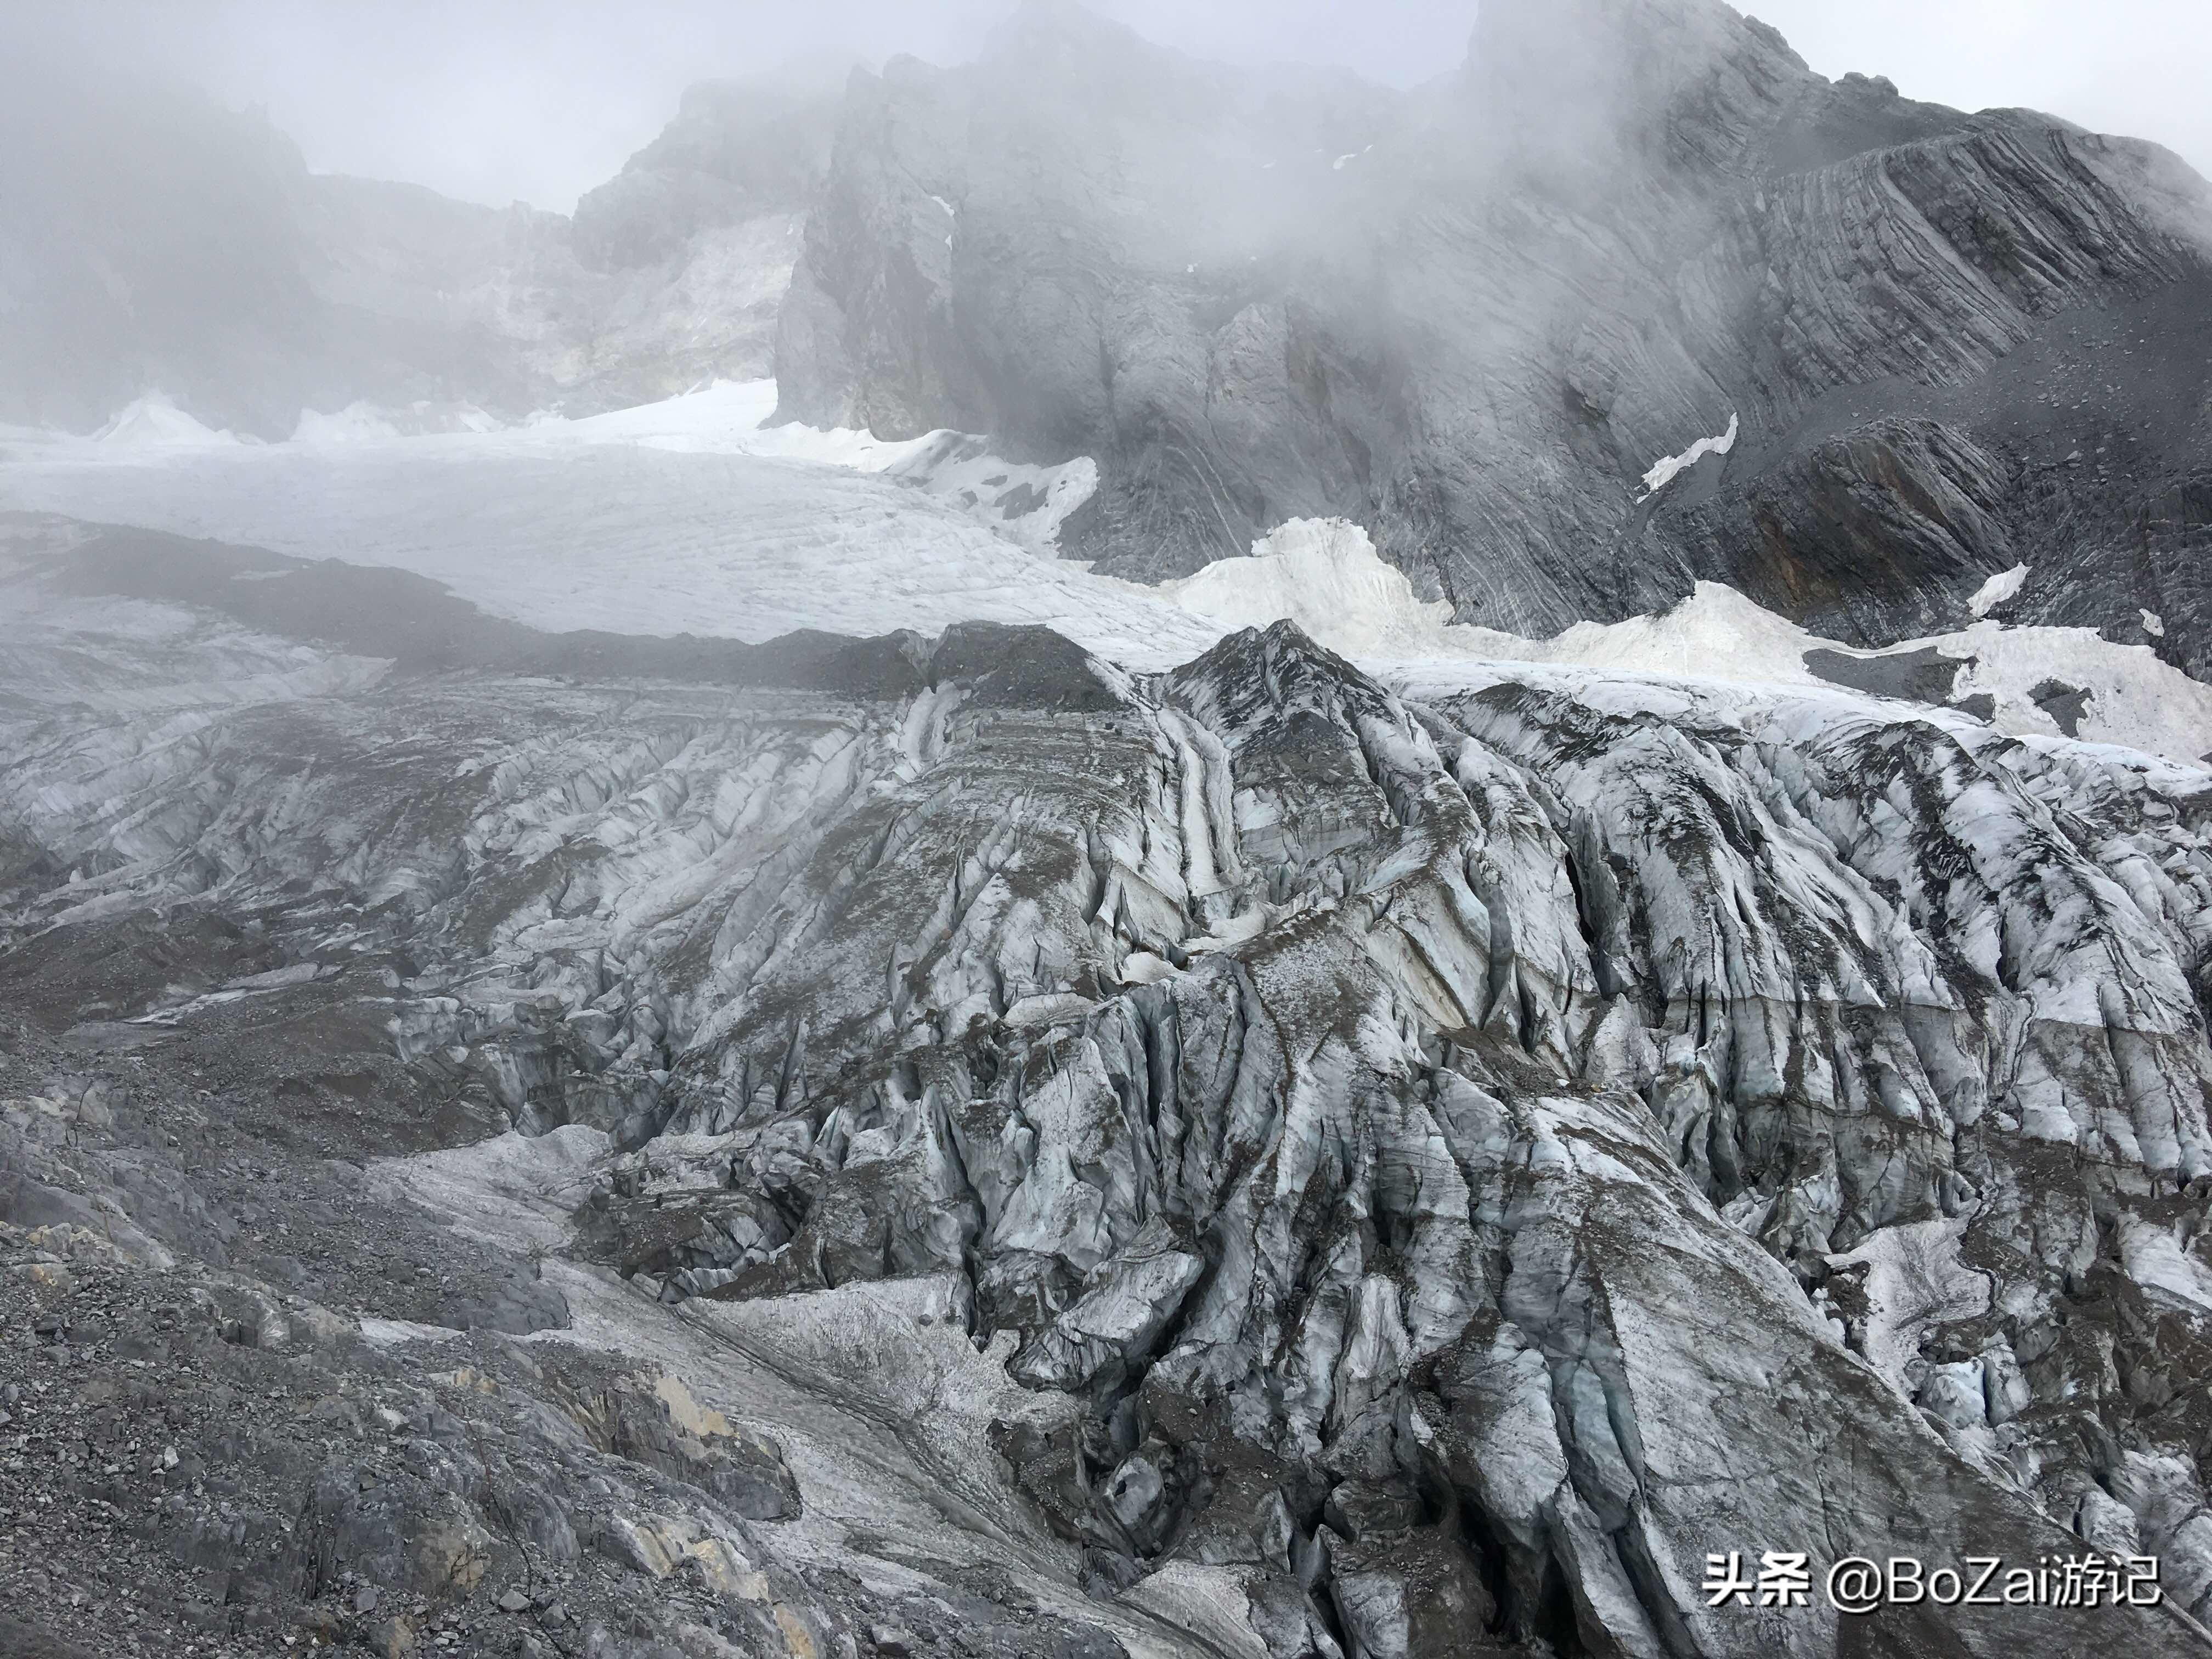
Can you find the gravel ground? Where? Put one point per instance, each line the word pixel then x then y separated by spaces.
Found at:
pixel 252 1403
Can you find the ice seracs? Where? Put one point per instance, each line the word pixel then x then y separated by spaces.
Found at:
pixel 1247 1111
pixel 1403 1153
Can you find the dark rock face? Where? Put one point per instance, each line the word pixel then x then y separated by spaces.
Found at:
pixel 1873 534
pixel 1923 676
pixel 1043 243
pixel 1472 316
pixel 734 151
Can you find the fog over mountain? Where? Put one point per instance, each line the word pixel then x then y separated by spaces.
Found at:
pixel 1100 845
pixel 539 100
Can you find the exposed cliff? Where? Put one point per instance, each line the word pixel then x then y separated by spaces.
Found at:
pixel 1473 317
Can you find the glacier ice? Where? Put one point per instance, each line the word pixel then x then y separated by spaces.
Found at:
pixel 690 516
pixel 2001 587
pixel 1667 468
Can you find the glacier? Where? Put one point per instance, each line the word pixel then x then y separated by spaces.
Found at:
pixel 691 515
pixel 1263 1156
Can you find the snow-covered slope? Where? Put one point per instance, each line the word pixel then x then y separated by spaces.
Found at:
pixel 154 420
pixel 2065 681
pixel 1324 574
pixel 684 516
pixel 691 515
pixel 366 422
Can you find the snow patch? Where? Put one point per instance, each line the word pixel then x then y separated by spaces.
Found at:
pixel 1915 1278
pixel 2001 587
pixel 1325 576
pixel 153 421
pixel 391 1333
pixel 1027 504
pixel 2135 699
pixel 365 422
pixel 2159 1261
pixel 1143 968
pixel 1718 635
pixel 730 418
pixel 357 423
pixel 1665 469
pixel 2154 624
pixel 513 1187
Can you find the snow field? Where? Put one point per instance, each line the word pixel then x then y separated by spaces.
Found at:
pixel 692 516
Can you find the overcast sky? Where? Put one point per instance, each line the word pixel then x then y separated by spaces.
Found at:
pixel 536 101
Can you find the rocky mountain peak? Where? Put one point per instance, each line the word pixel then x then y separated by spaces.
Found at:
pixel 1633 82
pixel 1059 32
pixel 1669 91
pixel 736 150
pixel 1633 226
pixel 1279 666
